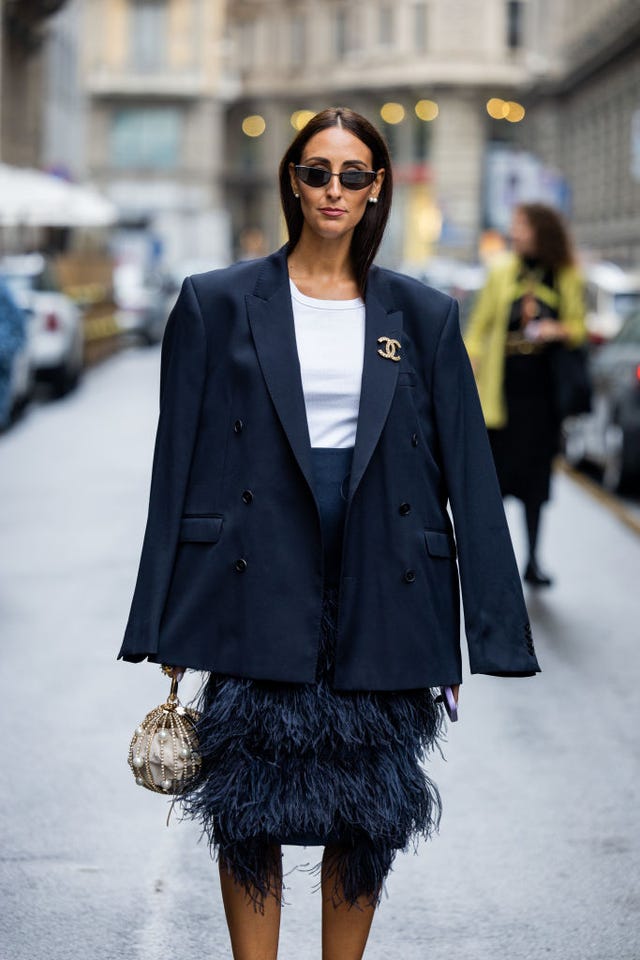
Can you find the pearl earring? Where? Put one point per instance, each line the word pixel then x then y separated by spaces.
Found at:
pixel 373 199
pixel 296 195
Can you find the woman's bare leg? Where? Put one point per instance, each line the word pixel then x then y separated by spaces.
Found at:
pixel 345 927
pixel 253 928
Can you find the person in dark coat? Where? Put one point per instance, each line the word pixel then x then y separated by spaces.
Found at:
pixel 317 416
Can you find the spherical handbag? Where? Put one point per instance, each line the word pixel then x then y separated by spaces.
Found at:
pixel 163 754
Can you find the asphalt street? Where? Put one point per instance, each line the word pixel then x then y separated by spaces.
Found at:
pixel 538 854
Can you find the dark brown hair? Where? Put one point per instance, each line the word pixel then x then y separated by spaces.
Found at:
pixel 368 233
pixel 552 242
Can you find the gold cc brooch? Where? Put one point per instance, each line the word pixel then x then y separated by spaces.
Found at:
pixel 390 347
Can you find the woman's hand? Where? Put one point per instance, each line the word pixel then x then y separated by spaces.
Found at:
pixel 455 689
pixel 550 331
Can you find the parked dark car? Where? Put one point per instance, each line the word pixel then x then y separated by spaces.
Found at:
pixel 609 436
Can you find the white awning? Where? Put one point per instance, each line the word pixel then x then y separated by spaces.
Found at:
pixel 32 198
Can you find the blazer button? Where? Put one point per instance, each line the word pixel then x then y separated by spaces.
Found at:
pixel 247 496
pixel 238 425
pixel 409 576
pixel 241 565
pixel 414 439
pixel 404 509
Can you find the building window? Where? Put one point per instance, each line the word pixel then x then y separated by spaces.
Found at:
pixel 146 138
pixel 385 25
pixel 515 24
pixel 148 34
pixel 298 39
pixel 420 27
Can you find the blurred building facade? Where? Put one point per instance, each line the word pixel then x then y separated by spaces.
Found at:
pixel 427 71
pixel 181 109
pixel 584 119
pixel 41 118
pixel 63 137
pixel 152 73
pixel 27 60
pixel 423 70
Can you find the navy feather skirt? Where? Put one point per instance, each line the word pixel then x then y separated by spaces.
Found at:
pixel 308 764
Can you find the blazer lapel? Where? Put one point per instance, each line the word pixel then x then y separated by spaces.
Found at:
pixel 272 326
pixel 379 378
pixel 271 320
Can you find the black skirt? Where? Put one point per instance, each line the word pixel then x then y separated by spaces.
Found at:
pixel 524 449
pixel 308 764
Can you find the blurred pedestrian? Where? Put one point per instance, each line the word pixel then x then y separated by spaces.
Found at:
pixel 13 337
pixel 317 413
pixel 531 303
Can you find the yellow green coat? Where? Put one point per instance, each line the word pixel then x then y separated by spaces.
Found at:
pixel 486 332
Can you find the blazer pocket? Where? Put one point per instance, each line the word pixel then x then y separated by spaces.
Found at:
pixel 200 529
pixel 440 544
pixel 406 378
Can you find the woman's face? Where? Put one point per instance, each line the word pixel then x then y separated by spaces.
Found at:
pixel 333 211
pixel 523 238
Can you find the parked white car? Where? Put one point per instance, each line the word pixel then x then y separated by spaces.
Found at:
pixel 612 295
pixel 141 307
pixel 455 277
pixel 56 336
pixel 22 374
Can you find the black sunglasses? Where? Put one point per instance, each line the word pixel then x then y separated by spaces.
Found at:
pixel 350 179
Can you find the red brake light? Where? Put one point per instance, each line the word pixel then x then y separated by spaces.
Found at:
pixel 51 321
pixel 638 373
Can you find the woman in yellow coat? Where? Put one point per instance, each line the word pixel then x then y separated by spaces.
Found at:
pixel 532 299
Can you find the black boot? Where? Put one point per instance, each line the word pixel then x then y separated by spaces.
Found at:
pixel 534 576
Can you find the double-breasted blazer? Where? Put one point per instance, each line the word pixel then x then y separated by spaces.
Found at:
pixel 231 573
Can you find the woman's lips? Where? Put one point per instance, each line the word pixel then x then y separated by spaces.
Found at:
pixel 332 212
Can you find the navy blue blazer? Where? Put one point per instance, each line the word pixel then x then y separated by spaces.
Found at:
pixel 231 577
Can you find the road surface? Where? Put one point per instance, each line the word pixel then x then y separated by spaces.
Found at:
pixel 538 853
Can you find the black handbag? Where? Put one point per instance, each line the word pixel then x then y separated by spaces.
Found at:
pixel 571 380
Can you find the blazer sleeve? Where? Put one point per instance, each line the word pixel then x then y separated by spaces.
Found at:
pixel 182 375
pixel 496 620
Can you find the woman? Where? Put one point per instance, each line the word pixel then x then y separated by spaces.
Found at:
pixel 531 303
pixel 317 413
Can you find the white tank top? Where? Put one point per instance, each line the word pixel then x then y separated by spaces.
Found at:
pixel 330 340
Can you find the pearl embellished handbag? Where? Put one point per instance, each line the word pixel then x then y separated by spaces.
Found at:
pixel 163 754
